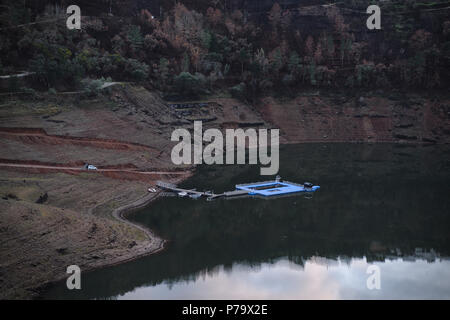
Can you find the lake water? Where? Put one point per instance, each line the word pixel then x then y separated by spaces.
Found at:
pixel 383 205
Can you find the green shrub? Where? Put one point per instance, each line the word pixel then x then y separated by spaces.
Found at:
pixel 55 66
pixel 136 70
pixel 189 85
pixel 238 91
pixel 92 87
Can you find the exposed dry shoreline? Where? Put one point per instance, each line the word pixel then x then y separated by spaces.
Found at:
pixel 39 241
pixel 156 244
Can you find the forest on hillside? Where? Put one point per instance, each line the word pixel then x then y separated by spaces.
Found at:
pixel 248 48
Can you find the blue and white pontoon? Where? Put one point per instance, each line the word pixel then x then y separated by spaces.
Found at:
pixel 273 188
pixel 276 188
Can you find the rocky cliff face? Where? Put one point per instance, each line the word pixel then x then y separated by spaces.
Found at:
pixel 369 118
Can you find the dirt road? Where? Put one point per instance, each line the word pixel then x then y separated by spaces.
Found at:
pixel 64 168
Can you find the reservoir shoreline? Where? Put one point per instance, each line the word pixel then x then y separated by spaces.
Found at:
pixel 158 244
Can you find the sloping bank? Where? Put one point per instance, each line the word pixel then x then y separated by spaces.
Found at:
pixel 152 245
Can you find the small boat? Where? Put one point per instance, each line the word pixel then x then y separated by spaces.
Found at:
pixel 182 194
pixel 308 185
pixel 195 195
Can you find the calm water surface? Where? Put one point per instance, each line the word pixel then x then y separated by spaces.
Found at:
pixel 383 205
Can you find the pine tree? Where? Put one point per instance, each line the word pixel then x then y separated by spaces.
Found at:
pixel 135 37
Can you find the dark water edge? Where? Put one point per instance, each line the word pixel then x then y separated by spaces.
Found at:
pixel 383 204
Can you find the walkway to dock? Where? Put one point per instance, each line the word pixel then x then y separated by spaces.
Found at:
pixel 208 194
pixel 174 188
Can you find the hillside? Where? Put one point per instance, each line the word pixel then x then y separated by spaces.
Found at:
pixel 248 48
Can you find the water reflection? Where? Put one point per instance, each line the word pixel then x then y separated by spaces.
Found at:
pixel 378 204
pixel 318 278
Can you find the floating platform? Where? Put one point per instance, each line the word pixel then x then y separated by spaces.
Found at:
pixel 275 188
